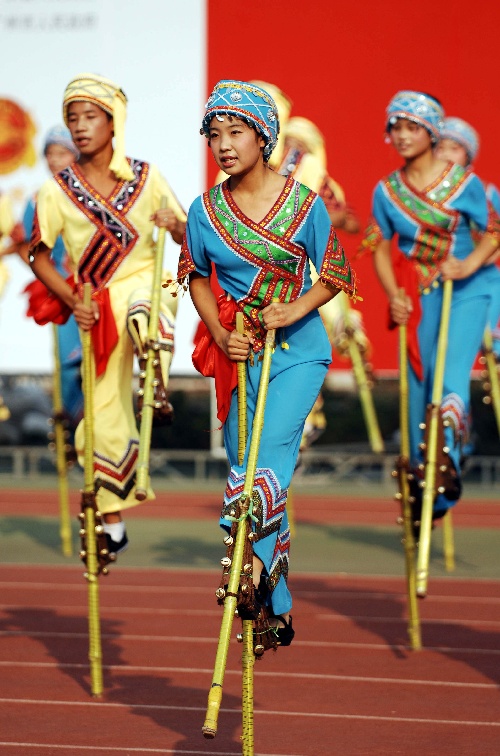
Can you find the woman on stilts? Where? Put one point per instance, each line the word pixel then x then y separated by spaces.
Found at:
pixel 259 229
pixel 459 143
pixel 106 206
pixel 430 205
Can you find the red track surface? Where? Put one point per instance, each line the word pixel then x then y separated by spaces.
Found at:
pixel 347 685
pixel 473 512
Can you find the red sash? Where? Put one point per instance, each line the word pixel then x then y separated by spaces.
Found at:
pixel 45 307
pixel 211 361
pixel 407 278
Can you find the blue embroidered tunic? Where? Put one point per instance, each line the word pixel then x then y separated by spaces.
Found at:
pixel 256 263
pixel 430 225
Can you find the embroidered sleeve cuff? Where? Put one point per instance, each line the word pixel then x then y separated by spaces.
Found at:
pixel 186 262
pixel 372 238
pixel 336 272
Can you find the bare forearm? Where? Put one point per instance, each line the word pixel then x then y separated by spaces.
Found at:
pixel 48 275
pixel 206 305
pixel 282 314
pixel 484 254
pixel 382 263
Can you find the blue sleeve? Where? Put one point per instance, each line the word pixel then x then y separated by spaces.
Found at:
pixel 193 256
pixel 473 203
pixel 494 196
pixel 319 230
pixel 29 214
pixel 194 232
pixel 326 252
pixel 380 212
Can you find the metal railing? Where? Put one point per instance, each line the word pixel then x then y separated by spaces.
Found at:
pixel 317 466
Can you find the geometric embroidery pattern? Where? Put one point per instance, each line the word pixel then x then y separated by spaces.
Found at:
pixel 118 477
pixel 269 247
pixel 453 410
pixel 281 560
pixel 115 236
pixel 142 308
pixel 268 500
pixel 428 210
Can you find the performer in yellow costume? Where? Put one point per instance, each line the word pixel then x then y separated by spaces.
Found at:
pixel 304 157
pixel 10 235
pixel 105 207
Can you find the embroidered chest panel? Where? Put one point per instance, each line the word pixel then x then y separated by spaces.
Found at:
pixel 267 246
pixel 436 221
pixel 115 236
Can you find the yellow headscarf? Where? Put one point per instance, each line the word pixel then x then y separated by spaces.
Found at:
pixel 109 97
pixel 308 133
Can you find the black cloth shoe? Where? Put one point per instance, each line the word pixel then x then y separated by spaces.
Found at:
pixel 116 547
pixel 285 634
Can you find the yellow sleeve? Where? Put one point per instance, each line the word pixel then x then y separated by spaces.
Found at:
pixel 337 190
pixel 48 221
pixel 7 220
pixel 162 188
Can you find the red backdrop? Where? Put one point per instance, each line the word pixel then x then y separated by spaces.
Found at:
pixel 340 63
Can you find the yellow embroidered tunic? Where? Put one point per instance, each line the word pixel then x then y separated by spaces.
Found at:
pixel 110 243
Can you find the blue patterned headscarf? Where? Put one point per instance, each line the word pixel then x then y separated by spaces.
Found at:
pixel 463 133
pixel 417 107
pixel 60 135
pixel 248 102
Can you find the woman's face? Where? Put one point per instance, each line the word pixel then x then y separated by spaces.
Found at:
pixel 410 139
pixel 91 128
pixel 236 147
pixel 448 149
pixel 58 157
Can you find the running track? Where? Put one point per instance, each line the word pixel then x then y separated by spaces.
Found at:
pixel 348 685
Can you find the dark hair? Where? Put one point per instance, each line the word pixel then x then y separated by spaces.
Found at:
pixel 433 98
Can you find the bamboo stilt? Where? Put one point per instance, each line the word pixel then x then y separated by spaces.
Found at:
pixel 414 632
pixel 365 393
pixel 431 452
pixel 448 542
pixel 60 446
pixel 491 367
pixel 248 661
pixel 248 657
pixel 209 728
pixel 89 506
pixel 142 469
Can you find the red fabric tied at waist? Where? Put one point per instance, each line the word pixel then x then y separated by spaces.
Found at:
pixel 407 279
pixel 104 333
pixel 44 306
pixel 211 361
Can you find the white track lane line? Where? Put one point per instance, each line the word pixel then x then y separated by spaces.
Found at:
pixel 131 668
pixel 212 640
pixel 257 712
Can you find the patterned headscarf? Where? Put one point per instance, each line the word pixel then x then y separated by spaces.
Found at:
pixel 60 135
pixel 248 102
pixel 308 133
pixel 109 97
pixel 282 100
pixel 417 107
pixel 463 133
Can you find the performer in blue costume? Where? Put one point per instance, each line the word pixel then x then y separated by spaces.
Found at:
pixel 259 230
pixel 430 205
pixel 459 143
pixel 59 152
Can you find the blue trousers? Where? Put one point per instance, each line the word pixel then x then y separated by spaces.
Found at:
pixel 292 391
pixel 471 302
